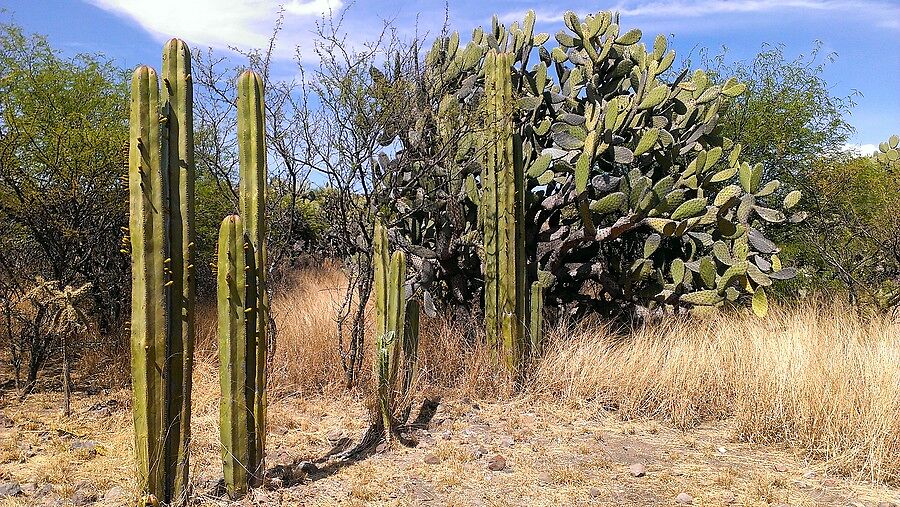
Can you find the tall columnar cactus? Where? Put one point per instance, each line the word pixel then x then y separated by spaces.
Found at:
pixel 396 333
pixel 237 293
pixel 178 151
pixel 502 207
pixel 244 435
pixel 161 201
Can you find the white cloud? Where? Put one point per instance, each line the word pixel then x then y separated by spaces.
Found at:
pixel 313 7
pixel 245 24
pixel 886 13
pixel 860 149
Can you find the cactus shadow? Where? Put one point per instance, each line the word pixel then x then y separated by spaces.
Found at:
pixel 343 454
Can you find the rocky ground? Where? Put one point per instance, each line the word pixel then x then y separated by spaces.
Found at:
pixel 473 453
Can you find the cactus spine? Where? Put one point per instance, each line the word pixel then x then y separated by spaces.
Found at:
pixel 243 369
pixel 161 201
pixel 396 333
pixel 236 279
pixel 503 208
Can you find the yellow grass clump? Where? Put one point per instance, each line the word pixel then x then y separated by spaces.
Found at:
pixel 818 377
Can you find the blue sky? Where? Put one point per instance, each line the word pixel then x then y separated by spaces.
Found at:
pixel 865 34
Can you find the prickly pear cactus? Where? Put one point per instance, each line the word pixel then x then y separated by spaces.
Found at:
pixel 161 242
pixel 889 152
pixel 634 198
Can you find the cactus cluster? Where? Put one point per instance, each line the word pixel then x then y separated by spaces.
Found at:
pixel 243 303
pixel 501 206
pixel 161 241
pixel 396 334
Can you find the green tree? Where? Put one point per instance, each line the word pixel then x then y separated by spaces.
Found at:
pixel 62 129
pixel 788 119
pixel 853 237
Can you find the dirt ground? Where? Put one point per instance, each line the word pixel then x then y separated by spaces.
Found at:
pixel 473 453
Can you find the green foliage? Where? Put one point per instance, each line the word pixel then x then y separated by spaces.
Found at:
pixel 788 118
pixel 853 238
pixel 162 247
pixel 62 128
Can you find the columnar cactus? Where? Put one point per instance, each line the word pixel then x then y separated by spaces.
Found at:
pixel 237 292
pixel 161 201
pixel 396 333
pixel 178 151
pixel 242 340
pixel 502 206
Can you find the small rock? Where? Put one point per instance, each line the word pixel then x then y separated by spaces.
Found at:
pixel 83 497
pixel 507 441
pixel 544 478
pixel 335 435
pixel 594 492
pixel 497 463
pixel 779 467
pixel 637 470
pixel 728 497
pixel 684 499
pixel 423 492
pixel 43 490
pixel 9 489
pixel 26 451
pixel 87 446
pixel 830 482
pixel 887 504
pixel 809 474
pixel 115 493
pixel 479 452
pixel 431 459
pixel 446 435
pixel 722 450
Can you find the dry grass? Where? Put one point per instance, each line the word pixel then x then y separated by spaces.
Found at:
pixel 817 377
